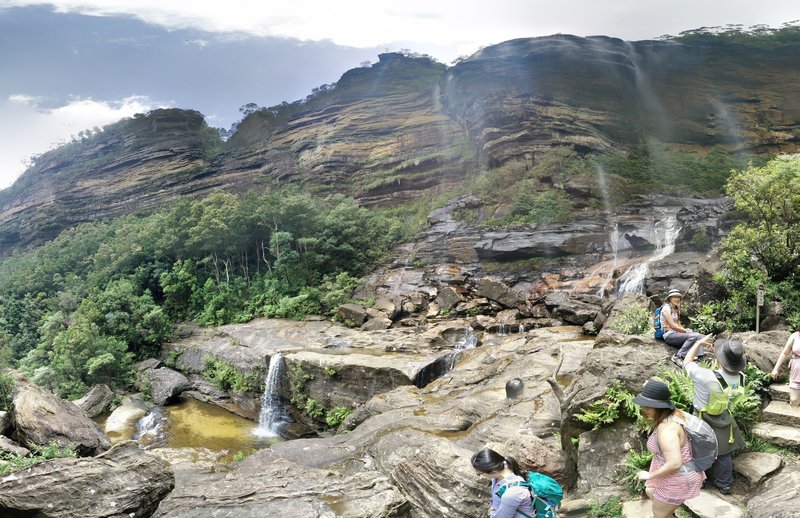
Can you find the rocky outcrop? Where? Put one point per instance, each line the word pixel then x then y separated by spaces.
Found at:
pixel 124 481
pixel 164 383
pixel 121 424
pixel 96 401
pixel 281 488
pixel 404 127
pixel 40 418
pixel 779 495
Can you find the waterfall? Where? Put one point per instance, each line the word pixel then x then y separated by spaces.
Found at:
pixel 613 241
pixel 665 232
pixel 151 429
pixel 272 415
pixel 468 341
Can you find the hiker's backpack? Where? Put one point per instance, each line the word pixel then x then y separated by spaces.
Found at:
pixel 703 441
pixel 659 331
pixel 546 495
pixel 720 399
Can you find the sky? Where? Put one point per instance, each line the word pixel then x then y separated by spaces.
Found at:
pixel 71 65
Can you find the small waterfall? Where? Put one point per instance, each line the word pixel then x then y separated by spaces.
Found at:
pixel 469 341
pixel 665 232
pixel 521 328
pixel 613 241
pixel 272 415
pixel 151 429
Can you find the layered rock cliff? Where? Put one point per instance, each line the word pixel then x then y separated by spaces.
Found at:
pixel 406 126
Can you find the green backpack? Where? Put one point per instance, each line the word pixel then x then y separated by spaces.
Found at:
pixel 546 495
pixel 719 400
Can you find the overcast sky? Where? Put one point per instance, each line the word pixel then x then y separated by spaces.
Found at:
pixel 70 65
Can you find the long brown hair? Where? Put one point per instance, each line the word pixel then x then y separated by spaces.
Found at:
pixel 664 413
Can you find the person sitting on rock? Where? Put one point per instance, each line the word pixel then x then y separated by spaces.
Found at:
pixel 667 486
pixel 708 386
pixel 674 333
pixel 506 473
pixel 792 349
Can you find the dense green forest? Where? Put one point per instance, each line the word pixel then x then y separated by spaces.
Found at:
pixel 81 308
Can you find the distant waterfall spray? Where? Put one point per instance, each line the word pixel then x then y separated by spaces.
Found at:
pixel 613 241
pixel 272 414
pixel 666 232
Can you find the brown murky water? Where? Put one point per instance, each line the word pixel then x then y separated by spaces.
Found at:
pixel 194 424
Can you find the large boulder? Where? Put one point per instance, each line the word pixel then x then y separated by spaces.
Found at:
pixel 259 487
pixel 779 496
pixel 601 454
pixel 121 424
pixel 40 417
pixel 124 481
pixel 499 292
pixel 763 349
pixel 96 401
pixel 165 384
pixel 629 359
pixel 571 310
pixel 459 493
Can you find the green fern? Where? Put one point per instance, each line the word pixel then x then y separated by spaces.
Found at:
pixel 633 464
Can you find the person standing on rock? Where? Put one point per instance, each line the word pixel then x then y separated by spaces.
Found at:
pixel 674 333
pixel 668 482
pixel 711 387
pixel 791 350
pixel 508 497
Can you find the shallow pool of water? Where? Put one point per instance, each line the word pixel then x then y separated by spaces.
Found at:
pixel 194 424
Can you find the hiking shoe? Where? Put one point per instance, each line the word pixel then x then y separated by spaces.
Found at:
pixel 724 490
pixel 677 360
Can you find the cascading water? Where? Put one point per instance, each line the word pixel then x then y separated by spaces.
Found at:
pixel 665 232
pixel 151 429
pixel 468 341
pixel 272 416
pixel 613 240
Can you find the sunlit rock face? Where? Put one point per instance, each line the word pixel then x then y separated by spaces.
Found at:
pixel 405 127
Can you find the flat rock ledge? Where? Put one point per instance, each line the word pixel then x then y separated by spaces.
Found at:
pixel 756 466
pixel 709 505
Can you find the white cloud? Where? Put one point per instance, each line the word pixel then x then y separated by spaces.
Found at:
pixel 28 129
pixel 451 27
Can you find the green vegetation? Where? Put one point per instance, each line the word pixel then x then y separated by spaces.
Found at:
pixel 607 409
pixel 336 415
pixel 760 36
pixel 610 508
pixel 13 462
pixel 745 406
pixel 764 246
pixel 757 444
pixel 225 376
pixel 634 319
pixel 81 308
pixel 7 385
pixel 633 464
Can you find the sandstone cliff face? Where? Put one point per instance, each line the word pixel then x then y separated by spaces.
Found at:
pixel 405 127
pixel 596 93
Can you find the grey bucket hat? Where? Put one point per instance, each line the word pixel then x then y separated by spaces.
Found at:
pixel 730 354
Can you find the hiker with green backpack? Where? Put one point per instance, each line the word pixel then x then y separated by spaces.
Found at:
pixel 712 393
pixel 517 493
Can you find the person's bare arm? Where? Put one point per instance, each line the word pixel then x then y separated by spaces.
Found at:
pixel 787 350
pixel 669 441
pixel 692 354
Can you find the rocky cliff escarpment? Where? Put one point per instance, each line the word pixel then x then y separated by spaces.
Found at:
pixel 407 126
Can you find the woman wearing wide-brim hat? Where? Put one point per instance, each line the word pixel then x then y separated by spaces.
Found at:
pixel 671 449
